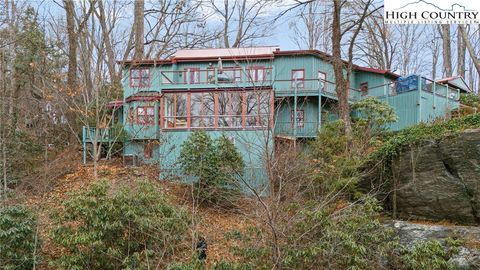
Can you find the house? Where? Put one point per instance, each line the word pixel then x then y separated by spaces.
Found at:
pixel 255 96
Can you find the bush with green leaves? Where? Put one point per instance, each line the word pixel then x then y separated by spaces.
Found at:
pixel 424 255
pixel 217 166
pixel 411 136
pixel 19 243
pixel 373 113
pixel 130 227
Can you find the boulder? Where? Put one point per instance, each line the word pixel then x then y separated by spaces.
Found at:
pixel 439 179
pixel 468 256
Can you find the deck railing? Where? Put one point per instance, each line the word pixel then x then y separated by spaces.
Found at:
pixel 92 134
pixel 303 129
pixel 214 77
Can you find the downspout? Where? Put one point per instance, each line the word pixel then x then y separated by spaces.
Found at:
pixel 419 85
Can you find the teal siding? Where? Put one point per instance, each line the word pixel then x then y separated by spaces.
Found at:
pixel 284 123
pixel 405 106
pixel 253 145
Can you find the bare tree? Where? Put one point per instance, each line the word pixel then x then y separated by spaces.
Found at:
pixel 378 43
pixel 444 31
pixel 348 29
pixel 139 28
pixel 311 29
pixel 461 51
pixel 471 50
pixel 242 21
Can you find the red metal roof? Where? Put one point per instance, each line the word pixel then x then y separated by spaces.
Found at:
pixel 246 53
pixel 115 104
pixel 378 71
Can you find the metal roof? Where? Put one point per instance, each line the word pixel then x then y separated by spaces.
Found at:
pixel 224 52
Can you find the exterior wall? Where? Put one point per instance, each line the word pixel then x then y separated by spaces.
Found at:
pixel 405 107
pixel 252 144
pixel 284 124
pixel 136 130
pixel 377 83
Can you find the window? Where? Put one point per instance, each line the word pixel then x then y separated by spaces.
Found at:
pixel 256 73
pixel 210 75
pixel 140 77
pixel 130 115
pixel 191 75
pixel 300 118
pixel 298 78
pixel 364 88
pixel 322 80
pixel 145 115
pixel 175 110
pixel 148 150
pixel 215 109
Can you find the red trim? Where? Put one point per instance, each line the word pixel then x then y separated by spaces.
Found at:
pixel 160 115
pixel 244 109
pixel 196 72
pixel 115 104
pixel 148 151
pixel 151 118
pixel 256 69
pixel 302 85
pixel 215 109
pixel 139 78
pixel 143 98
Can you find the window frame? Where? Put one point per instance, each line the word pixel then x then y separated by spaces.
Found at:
pixel 292 122
pixel 302 80
pixel 256 69
pixel 232 105
pixel 151 121
pixel 324 80
pixel 364 88
pixel 140 81
pixel 195 70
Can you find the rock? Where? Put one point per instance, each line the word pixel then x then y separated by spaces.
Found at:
pixel 440 179
pixel 468 256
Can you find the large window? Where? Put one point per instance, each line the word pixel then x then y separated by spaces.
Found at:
pixel 145 115
pixel 140 77
pixel 217 109
pixel 175 110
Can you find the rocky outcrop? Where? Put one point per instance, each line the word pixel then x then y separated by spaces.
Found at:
pixel 468 256
pixel 439 179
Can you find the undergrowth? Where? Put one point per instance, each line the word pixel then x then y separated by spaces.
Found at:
pixel 398 141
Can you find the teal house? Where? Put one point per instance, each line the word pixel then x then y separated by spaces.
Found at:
pixel 257 97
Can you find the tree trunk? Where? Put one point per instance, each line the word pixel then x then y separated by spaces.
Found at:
pixel 72 44
pixel 471 50
pixel 460 54
pixel 341 86
pixel 138 23
pixel 447 51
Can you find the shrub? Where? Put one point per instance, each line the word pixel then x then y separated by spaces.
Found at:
pixel 398 141
pixel 424 255
pixel 216 164
pixel 18 238
pixel 374 113
pixel 128 228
